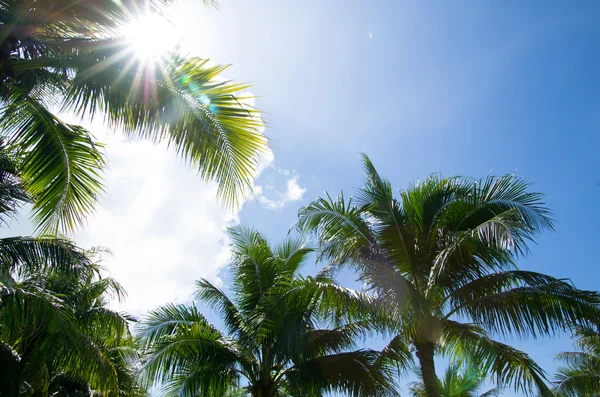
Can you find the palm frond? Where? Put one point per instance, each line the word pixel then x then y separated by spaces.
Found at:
pixel 511 367
pixel 12 191
pixel 535 305
pixel 21 255
pixel 179 101
pixel 216 299
pixel 335 221
pixel 60 163
pixel 350 372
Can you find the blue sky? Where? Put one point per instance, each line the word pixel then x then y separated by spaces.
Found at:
pixel 421 86
pixel 457 87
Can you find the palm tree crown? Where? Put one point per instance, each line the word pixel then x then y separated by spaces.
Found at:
pixel 71 55
pixel 445 252
pixel 274 343
pixel 581 374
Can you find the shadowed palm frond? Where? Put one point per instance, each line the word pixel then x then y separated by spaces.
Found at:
pixel 581 374
pixel 510 367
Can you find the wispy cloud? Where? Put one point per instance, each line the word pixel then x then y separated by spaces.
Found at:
pixel 279 199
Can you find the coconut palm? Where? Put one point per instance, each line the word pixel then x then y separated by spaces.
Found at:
pixel 71 56
pixel 581 375
pixel 55 323
pixel 56 334
pixel 275 341
pixel 458 381
pixel 442 256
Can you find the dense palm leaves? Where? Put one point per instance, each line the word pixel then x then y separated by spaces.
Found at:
pixel 55 324
pixel 56 334
pixel 581 375
pixel 273 343
pixel 70 54
pixel 458 381
pixel 444 252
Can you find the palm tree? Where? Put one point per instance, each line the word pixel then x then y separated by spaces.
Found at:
pixel 56 334
pixel 442 257
pixel 275 343
pixel 71 55
pixel 458 381
pixel 54 324
pixel 581 375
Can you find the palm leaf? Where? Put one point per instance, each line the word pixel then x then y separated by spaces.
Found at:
pixel 350 372
pixel 510 366
pixel 60 163
pixel 178 101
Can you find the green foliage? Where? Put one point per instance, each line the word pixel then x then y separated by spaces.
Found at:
pixel 444 252
pixel 274 341
pixel 460 380
pixel 54 323
pixel 70 55
pixel 57 337
pixel 581 374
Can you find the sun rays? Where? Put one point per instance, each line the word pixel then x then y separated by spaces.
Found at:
pixel 151 36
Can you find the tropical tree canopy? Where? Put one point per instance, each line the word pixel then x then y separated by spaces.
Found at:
pixel 460 380
pixel 581 374
pixel 275 340
pixel 442 257
pixel 56 334
pixel 71 56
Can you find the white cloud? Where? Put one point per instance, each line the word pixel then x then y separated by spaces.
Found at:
pixel 292 193
pixel 164 225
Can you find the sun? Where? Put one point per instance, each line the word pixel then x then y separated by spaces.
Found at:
pixel 152 35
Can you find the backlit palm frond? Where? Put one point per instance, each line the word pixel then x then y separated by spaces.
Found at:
pixel 520 214
pixel 27 313
pixel 180 101
pixel 200 380
pixel 335 304
pixel 60 164
pixel 293 252
pixel 107 327
pixel 88 361
pixel 256 268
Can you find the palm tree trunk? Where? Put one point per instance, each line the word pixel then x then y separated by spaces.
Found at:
pixel 425 356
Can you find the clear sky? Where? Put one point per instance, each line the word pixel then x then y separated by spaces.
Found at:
pixel 421 86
